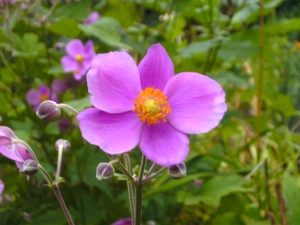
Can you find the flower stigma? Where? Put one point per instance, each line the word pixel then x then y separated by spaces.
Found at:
pixel 152 106
pixel 44 97
pixel 79 58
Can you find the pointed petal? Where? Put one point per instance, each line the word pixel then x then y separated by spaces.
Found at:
pixel 9 153
pixel 74 47
pixel 156 68
pixel 114 82
pixel 113 133
pixel 197 103
pixel 69 64
pixel 163 144
pixel 44 90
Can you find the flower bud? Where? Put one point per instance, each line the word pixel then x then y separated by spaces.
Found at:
pixel 48 111
pixel 30 167
pixel 64 143
pixel 177 171
pixel 104 171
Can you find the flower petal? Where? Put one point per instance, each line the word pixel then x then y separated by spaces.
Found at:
pixel 74 47
pixel 114 82
pixel 163 144
pixel 113 133
pixel 9 153
pixel 156 68
pixel 197 103
pixel 33 97
pixel 89 52
pixel 43 89
pixel 69 64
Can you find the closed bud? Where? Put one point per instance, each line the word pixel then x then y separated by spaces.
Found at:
pixel 64 143
pixel 104 171
pixel 30 167
pixel 177 171
pixel 48 110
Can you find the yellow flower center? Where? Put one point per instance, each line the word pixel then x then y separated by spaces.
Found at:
pixel 79 58
pixel 152 106
pixel 44 97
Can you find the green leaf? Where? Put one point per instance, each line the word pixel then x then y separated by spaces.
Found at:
pixel 283 26
pixel 27 46
pixel 107 30
pixel 79 104
pixel 176 183
pixel 231 50
pixel 291 192
pixel 65 26
pixel 214 189
pixel 76 10
pixel 197 47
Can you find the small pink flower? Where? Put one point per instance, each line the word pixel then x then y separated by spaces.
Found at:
pixel 1 190
pixel 79 58
pixel 147 105
pixel 92 18
pixel 36 97
pixel 11 150
pixel 126 221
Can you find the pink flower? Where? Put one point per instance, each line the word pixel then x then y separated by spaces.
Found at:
pixel 79 58
pixel 11 150
pixel 36 97
pixel 148 106
pixel 92 18
pixel 126 221
pixel 1 190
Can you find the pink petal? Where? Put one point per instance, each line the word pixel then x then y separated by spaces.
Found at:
pixel 114 82
pixel 74 47
pixel 9 153
pixel 113 133
pixel 22 153
pixel 43 89
pixel 1 187
pixel 7 132
pixel 89 52
pixel 156 68
pixel 69 64
pixel 197 103
pixel 33 97
pixel 163 144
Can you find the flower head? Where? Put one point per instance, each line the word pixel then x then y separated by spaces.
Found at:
pixel 12 150
pixel 126 221
pixel 35 97
pixel 79 58
pixel 147 105
pixel 1 190
pixel 92 18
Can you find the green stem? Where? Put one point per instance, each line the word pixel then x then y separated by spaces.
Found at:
pixel 65 106
pixel 31 152
pixel 139 193
pixel 155 174
pixel 129 187
pixel 62 204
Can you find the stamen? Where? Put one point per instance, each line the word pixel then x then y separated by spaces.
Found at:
pixel 152 106
pixel 44 97
pixel 79 58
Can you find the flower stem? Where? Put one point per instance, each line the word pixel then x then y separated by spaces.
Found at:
pixel 59 160
pixel 139 193
pixel 129 187
pixel 152 168
pixel 155 174
pixel 31 152
pixel 70 108
pixel 62 204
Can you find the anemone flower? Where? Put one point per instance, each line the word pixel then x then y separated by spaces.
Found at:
pixel 79 58
pixel 12 150
pixel 36 97
pixel 1 190
pixel 92 18
pixel 126 221
pixel 148 106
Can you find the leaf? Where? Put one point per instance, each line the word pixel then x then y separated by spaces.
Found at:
pixel 197 47
pixel 291 192
pixel 283 26
pixel 65 26
pixel 27 46
pixel 176 183
pixel 79 104
pixel 76 10
pixel 214 189
pixel 107 30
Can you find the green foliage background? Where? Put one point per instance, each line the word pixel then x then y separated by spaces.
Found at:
pixel 248 166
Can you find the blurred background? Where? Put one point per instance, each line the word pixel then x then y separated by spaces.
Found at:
pixel 245 171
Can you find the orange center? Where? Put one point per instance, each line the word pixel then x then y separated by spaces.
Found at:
pixel 79 58
pixel 44 97
pixel 152 106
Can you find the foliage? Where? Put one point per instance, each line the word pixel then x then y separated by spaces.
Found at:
pixel 248 165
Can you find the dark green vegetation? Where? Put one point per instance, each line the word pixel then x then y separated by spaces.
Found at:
pixel 249 165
